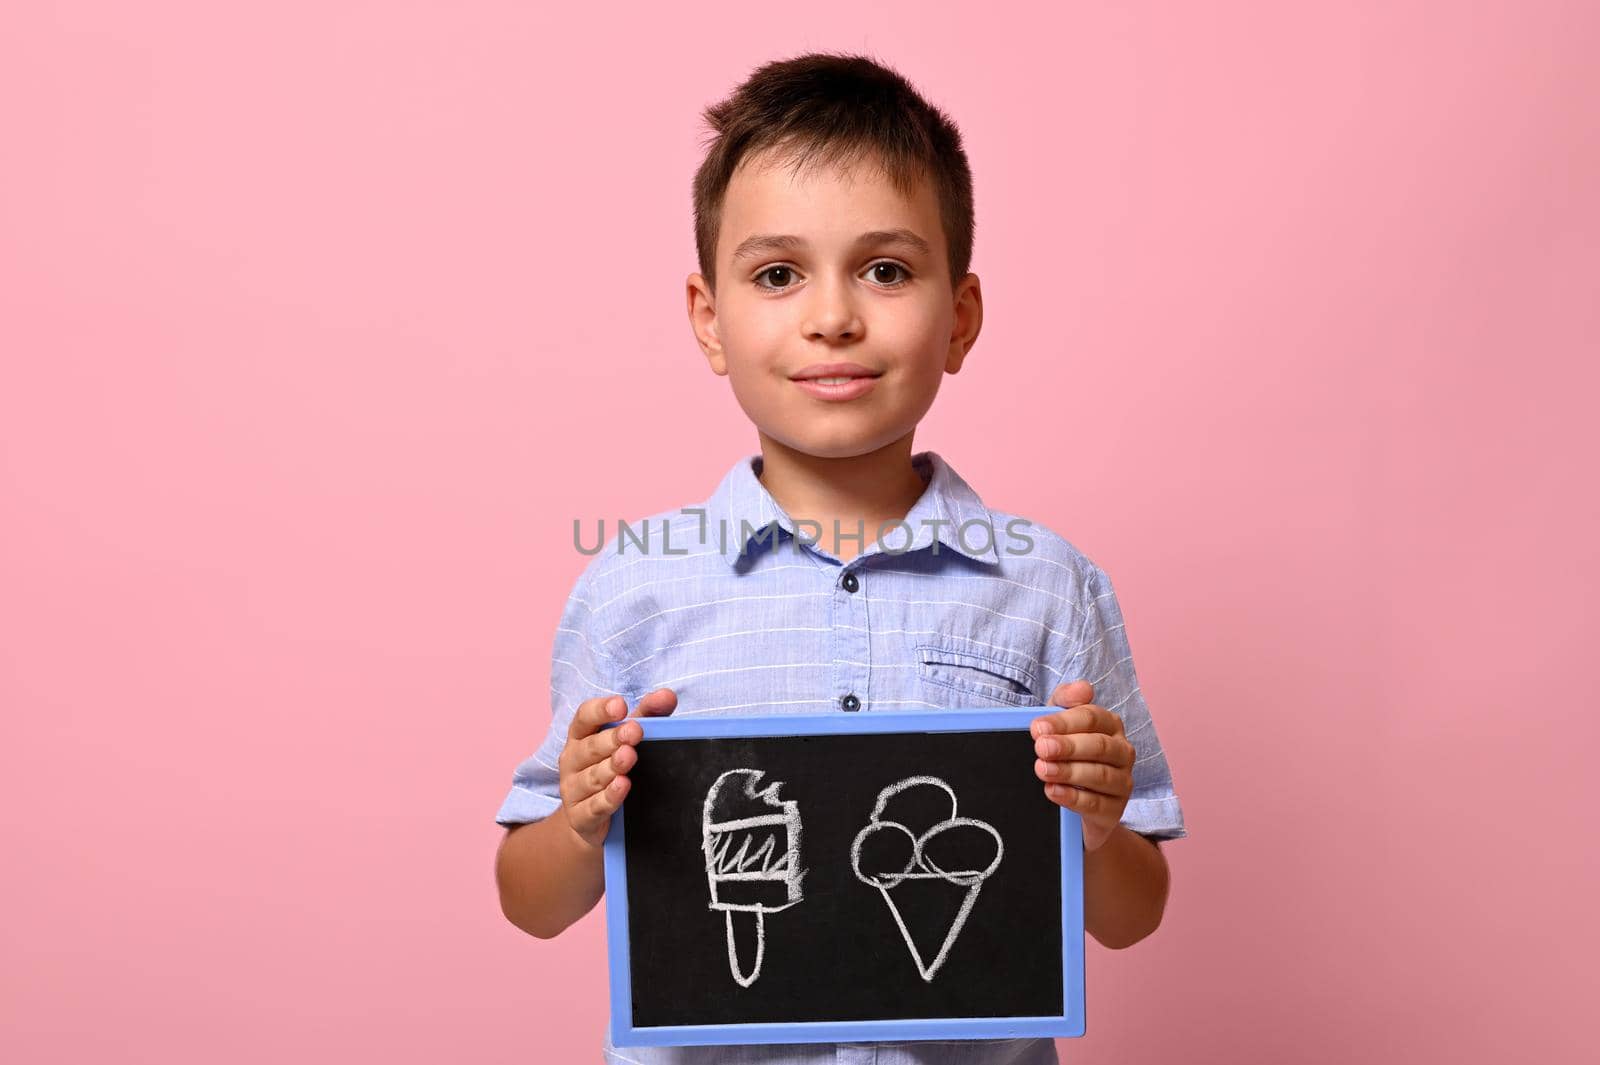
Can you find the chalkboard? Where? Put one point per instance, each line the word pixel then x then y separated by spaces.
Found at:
pixel 840 877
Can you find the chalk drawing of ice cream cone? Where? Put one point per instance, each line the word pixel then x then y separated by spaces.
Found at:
pixel 751 841
pixel 890 855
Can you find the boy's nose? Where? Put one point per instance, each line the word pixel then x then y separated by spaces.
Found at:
pixel 831 313
pixel 834 329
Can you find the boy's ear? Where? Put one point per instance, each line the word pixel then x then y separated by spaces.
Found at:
pixel 703 320
pixel 968 299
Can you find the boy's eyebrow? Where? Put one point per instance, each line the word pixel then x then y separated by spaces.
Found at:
pixel 763 243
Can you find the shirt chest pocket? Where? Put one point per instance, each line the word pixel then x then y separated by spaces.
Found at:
pixel 956 675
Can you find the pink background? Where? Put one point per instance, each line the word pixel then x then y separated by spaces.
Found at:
pixel 322 322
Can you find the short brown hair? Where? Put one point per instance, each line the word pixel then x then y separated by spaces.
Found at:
pixel 836 108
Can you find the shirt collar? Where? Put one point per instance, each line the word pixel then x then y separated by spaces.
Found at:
pixel 947 505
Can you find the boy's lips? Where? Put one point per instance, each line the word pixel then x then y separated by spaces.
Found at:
pixel 839 390
pixel 837 380
pixel 836 369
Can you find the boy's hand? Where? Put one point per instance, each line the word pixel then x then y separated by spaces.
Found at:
pixel 593 763
pixel 1085 760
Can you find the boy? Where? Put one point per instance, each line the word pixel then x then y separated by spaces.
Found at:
pixel 834 228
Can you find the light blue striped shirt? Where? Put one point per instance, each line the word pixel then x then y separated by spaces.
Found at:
pixel 740 611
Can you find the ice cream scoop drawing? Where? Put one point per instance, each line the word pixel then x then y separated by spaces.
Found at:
pixel 960 851
pixel 751 840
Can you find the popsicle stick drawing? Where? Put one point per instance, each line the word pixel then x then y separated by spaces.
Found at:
pixel 751 841
pixel 961 851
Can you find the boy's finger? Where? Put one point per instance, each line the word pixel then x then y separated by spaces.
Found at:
pixel 1081 801
pixel 579 818
pixel 594 778
pixel 1090 776
pixel 603 744
pixel 599 807
pixel 592 713
pixel 1077 719
pixel 1103 747
pixel 621 756
pixel 658 703
pixel 1072 693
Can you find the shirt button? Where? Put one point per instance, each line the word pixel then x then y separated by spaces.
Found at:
pixel 850 583
pixel 850 702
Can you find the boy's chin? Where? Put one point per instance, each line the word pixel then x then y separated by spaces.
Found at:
pixel 834 447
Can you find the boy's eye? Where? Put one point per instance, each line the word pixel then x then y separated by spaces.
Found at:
pixel 781 272
pixel 784 275
pixel 891 267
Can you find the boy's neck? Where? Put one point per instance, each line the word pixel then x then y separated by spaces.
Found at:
pixel 860 492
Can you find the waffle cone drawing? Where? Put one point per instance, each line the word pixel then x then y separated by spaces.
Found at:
pixel 751 842
pixel 960 852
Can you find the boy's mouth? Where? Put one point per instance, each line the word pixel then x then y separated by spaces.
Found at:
pixel 832 384
pixel 835 373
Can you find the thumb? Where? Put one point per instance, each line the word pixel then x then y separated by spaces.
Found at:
pixel 657 703
pixel 1073 693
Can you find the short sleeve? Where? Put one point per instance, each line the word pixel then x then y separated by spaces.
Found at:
pixel 1105 659
pixel 579 670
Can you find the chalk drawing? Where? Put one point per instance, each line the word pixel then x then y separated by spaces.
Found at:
pixel 876 855
pixel 751 841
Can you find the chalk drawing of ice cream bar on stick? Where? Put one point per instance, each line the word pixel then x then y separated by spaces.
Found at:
pixel 751 840
pixel 960 851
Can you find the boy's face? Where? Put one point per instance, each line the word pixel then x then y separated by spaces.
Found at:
pixel 832 294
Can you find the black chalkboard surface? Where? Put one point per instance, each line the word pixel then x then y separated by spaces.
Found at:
pixel 798 878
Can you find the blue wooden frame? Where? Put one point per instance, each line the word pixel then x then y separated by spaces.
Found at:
pixel 1069 1022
